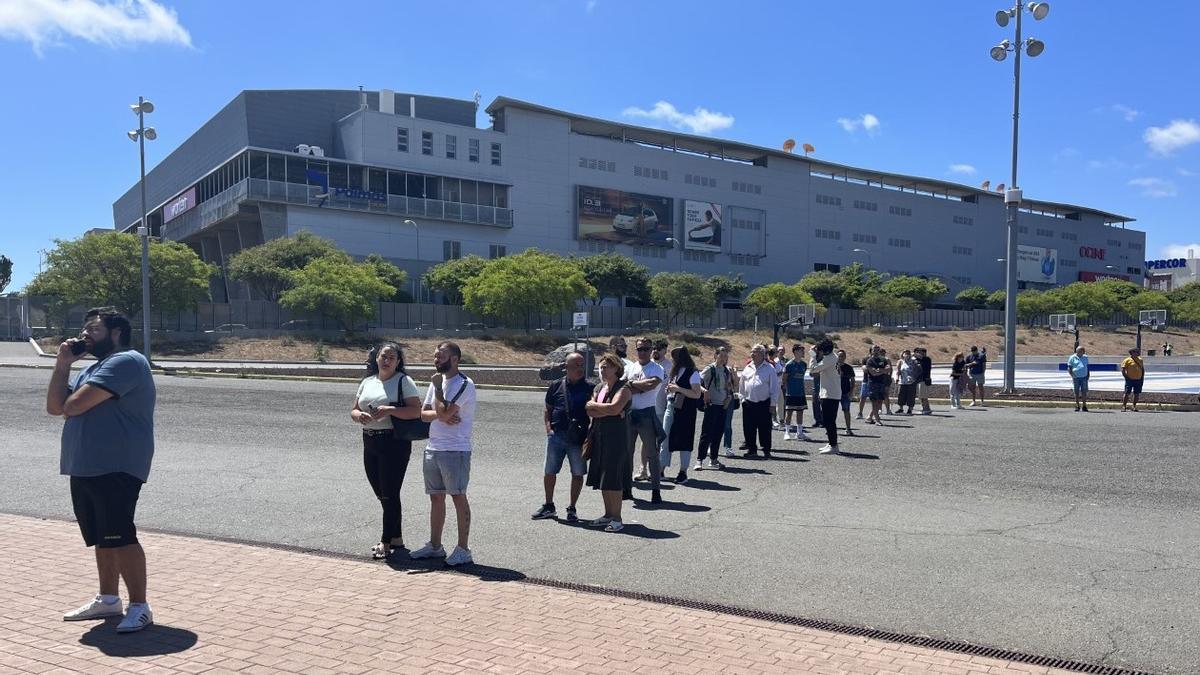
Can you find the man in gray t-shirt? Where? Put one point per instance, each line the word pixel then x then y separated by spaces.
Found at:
pixel 107 446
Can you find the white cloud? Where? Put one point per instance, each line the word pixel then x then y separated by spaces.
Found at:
pixel 1178 134
pixel 965 169
pixel 590 6
pixel 113 23
pixel 1186 173
pixel 1110 163
pixel 699 121
pixel 1155 188
pixel 1178 250
pixel 1125 111
pixel 866 121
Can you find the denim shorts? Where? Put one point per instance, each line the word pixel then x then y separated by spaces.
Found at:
pixel 558 449
pixel 846 401
pixel 877 391
pixel 447 472
pixel 1080 384
pixel 977 378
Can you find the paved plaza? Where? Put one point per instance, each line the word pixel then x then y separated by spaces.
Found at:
pixel 1035 530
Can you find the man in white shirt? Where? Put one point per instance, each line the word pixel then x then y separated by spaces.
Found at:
pixel 760 393
pixel 666 413
pixel 450 410
pixel 645 379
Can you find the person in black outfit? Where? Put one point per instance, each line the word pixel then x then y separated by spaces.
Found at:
pixel 684 395
pixel 926 382
pixel 386 393
pixel 567 422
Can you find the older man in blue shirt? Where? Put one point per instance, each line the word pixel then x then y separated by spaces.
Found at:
pixel 1077 365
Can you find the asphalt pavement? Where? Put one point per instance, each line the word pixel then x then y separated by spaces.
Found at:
pixel 1042 530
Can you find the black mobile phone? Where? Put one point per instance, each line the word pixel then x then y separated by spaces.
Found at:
pixel 78 347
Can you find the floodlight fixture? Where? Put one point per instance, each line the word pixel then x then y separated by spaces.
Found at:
pixel 133 135
pixel 1002 17
pixel 1034 47
pixel 1039 10
pixel 145 107
pixel 151 134
pixel 1000 51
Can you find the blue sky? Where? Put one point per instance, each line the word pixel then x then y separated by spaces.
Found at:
pixel 1110 114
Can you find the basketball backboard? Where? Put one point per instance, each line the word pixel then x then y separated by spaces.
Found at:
pixel 802 314
pixel 1155 319
pixel 1062 323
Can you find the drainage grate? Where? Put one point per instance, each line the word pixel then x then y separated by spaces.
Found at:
pixel 493 574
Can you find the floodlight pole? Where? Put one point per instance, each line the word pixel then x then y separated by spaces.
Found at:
pixel 145 231
pixel 1012 200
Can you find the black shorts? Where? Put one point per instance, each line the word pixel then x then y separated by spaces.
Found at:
pixel 1133 386
pixel 104 506
pixel 795 402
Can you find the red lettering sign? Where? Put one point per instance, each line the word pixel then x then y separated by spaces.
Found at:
pixel 1091 252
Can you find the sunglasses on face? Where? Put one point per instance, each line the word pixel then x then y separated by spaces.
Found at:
pixel 643 349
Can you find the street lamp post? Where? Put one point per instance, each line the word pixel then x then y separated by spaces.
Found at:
pixel 417 230
pixel 866 253
pixel 1012 196
pixel 140 136
pixel 673 241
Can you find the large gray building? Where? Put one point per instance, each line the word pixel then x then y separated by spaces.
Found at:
pixel 412 178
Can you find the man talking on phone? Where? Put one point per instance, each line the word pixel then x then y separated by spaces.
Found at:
pixel 107 445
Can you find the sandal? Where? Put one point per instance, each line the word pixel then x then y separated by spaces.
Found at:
pixel 381 551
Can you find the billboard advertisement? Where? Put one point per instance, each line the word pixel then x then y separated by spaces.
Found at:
pixel 1090 277
pixel 1036 264
pixel 624 217
pixel 703 229
pixel 179 206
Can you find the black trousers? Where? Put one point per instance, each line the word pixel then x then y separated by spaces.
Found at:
pixel 756 421
pixel 712 428
pixel 829 413
pixel 386 461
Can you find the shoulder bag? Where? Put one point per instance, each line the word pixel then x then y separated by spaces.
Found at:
pixel 577 432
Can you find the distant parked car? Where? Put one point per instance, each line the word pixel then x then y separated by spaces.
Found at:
pixel 635 220
pixel 295 324
pixel 474 325
pixel 227 328
pixel 645 324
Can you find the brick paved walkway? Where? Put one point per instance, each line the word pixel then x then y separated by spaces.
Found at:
pixel 223 607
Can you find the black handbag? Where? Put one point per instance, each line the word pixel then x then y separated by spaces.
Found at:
pixel 416 429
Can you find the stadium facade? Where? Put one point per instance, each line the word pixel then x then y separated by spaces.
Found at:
pixel 412 178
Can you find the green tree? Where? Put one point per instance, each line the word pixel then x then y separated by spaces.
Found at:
pixel 1032 304
pixel 923 291
pixel 681 294
pixel 1147 300
pixel 1185 301
pixel 532 281
pixel 826 288
pixel 106 269
pixel 997 299
pixel 973 297
pixel 337 288
pixel 723 286
pixel 884 303
pixel 268 267
pixel 391 275
pixel 452 276
pixel 5 272
pixel 858 282
pixel 775 298
pixel 614 275
pixel 1089 300
pixel 1119 288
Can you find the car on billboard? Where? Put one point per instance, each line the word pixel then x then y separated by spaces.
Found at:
pixel 636 220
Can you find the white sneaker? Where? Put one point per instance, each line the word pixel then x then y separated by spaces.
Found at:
pixel 137 618
pixel 788 438
pixel 96 609
pixel 699 466
pixel 460 556
pixel 729 452
pixel 428 551
pixel 827 449
pixel 600 522
pixel 858 416
pixel 644 475
pixel 714 465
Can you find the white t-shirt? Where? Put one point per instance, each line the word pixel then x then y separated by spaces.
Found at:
pixel 453 437
pixel 636 372
pixel 373 392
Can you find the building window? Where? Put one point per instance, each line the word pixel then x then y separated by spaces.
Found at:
pixel 865 206
pixel 451 146
pixel 597 164
pixel 1069 236
pixel 451 250
pixel 828 234
pixel 826 267
pixel 1045 233
pixel 497 251
pixel 647 172
pixel 426 142
pixel 829 201
pixel 1022 229
pixel 963 250
pixel 899 243
pixel 699 256
pixel 1134 246
pixel 1133 270
pixel 401 139
pixel 473 150
pixel 865 238
pixel 899 210
pixel 964 220
pixel 495 154
pixel 1114 243
pixel 748 188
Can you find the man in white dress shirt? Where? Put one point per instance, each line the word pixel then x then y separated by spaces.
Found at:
pixel 759 393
